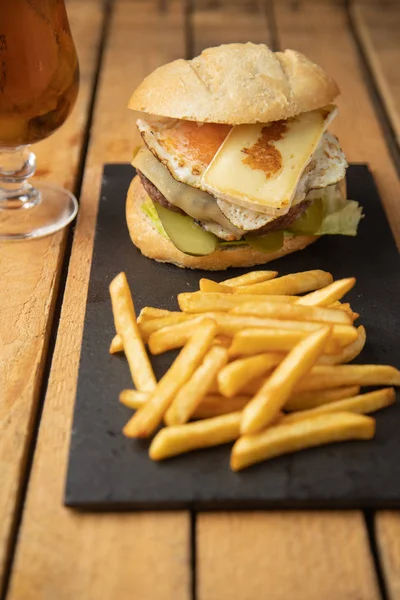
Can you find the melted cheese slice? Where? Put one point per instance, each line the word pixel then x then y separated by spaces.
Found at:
pixel 259 166
pixel 197 204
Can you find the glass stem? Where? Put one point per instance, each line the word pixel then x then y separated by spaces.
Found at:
pixel 16 166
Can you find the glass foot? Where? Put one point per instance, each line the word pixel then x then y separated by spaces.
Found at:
pixel 51 210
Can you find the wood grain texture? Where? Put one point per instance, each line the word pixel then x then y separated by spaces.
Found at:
pixel 296 555
pixel 276 555
pixel 387 531
pixel 223 22
pixel 378 28
pixel 29 273
pixel 360 134
pixel 63 554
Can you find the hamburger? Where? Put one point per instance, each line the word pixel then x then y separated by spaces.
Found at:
pixel 237 166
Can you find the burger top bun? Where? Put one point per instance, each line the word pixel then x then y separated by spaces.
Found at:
pixel 235 84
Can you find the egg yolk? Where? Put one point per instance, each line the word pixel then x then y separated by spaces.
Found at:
pixel 195 143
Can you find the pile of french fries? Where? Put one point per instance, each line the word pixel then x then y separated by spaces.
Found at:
pixel 262 364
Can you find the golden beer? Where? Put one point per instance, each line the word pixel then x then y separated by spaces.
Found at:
pixel 39 73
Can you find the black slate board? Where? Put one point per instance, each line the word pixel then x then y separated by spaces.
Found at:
pixel 107 471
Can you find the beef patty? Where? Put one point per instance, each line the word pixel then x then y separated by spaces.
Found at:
pixel 285 221
pixel 282 222
pixel 156 195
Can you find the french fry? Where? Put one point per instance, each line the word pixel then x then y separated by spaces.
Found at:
pixel 322 377
pixel 233 378
pixel 252 387
pixel 214 389
pixel 152 325
pixel 362 404
pixel 116 345
pixel 251 277
pixel 342 335
pixel 294 312
pixel 256 341
pixel 272 396
pixel 178 439
pixel 209 286
pixel 197 302
pixel 184 333
pixel 172 336
pixel 315 431
pixel 348 353
pixel 222 340
pixel 147 418
pixel 341 305
pixel 214 406
pixel 345 306
pixel 193 391
pixel 304 400
pixel 228 325
pixel 127 328
pixel 133 398
pixel 148 312
pixel 332 292
pixel 325 378
pixel 295 283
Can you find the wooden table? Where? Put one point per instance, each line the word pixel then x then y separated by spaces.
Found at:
pixel 50 553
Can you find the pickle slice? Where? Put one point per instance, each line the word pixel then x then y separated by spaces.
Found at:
pixel 270 242
pixel 185 234
pixel 310 221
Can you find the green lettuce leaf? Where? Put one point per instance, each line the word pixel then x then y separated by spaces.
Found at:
pixel 150 211
pixel 342 222
pixel 340 216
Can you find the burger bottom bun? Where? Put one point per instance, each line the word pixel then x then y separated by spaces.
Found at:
pixel 153 245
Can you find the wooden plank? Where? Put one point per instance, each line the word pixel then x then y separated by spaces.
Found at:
pixel 64 554
pixel 299 26
pixel 277 555
pixel 387 529
pixel 299 555
pixel 224 22
pixel 29 273
pixel 378 28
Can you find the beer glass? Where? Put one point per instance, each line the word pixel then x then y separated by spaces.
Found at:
pixel 39 80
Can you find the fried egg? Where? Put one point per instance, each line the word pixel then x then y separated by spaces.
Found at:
pixel 186 148
pixel 328 164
